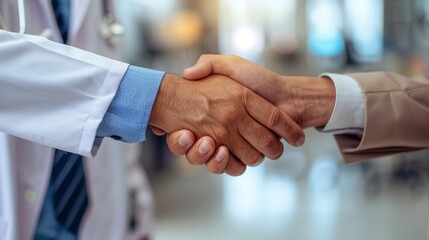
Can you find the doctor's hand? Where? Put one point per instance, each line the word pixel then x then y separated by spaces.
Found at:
pixel 308 101
pixel 232 115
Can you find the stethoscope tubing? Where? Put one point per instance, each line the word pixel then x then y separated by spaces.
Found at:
pixel 22 18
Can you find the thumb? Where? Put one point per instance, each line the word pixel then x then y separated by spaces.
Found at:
pixel 198 71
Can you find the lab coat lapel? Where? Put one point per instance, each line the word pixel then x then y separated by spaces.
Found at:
pixel 47 8
pixel 48 12
pixel 79 9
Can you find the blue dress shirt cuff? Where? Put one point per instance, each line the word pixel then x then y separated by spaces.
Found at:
pixel 128 115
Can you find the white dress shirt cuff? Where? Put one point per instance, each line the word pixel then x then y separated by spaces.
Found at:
pixel 349 111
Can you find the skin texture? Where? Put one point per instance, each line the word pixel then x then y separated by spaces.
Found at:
pixel 308 101
pixel 245 124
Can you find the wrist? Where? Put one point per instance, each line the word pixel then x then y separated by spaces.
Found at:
pixel 163 101
pixel 312 99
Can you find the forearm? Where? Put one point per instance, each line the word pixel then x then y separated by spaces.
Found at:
pixel 50 92
pixel 310 99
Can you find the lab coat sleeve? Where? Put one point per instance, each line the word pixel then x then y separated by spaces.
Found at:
pixel 54 94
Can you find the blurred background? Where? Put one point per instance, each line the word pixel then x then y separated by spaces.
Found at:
pixel 309 193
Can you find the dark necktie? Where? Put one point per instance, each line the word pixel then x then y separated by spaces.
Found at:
pixel 68 178
pixel 70 194
pixel 62 14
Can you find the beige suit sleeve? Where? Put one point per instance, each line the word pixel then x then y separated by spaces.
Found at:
pixel 396 117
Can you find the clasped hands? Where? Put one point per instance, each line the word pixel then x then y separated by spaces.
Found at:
pixel 232 113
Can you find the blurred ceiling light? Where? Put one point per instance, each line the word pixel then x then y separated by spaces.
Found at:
pixel 185 29
pixel 241 29
pixel 247 27
pixel 324 173
pixel 258 193
pixel 325 36
pixel 324 197
pixel 293 164
pixel 247 40
pixel 243 195
pixel 364 27
pixel 323 213
pixel 281 20
pixel 281 196
pixel 284 42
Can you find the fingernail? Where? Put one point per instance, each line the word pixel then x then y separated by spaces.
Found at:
pixel 204 148
pixel 300 142
pixel 184 140
pixel 188 69
pixel 258 162
pixel 221 155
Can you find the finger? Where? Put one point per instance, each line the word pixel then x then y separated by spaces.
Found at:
pixel 201 152
pixel 157 131
pixel 206 65
pixel 218 162
pixel 244 152
pixel 180 142
pixel 257 78
pixel 261 138
pixel 274 119
pixel 234 167
pixel 198 71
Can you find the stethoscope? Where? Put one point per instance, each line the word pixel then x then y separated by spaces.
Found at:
pixel 110 29
pixel 21 18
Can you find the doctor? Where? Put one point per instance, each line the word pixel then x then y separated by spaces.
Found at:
pixel 53 96
pixel 25 167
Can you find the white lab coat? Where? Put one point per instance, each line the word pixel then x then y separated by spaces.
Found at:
pixel 55 96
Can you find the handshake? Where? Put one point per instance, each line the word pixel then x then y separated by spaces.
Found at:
pixel 231 113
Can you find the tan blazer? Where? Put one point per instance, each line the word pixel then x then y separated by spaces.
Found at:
pixel 396 118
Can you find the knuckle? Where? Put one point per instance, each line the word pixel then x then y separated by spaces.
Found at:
pixel 254 159
pixel 238 90
pixel 220 134
pixel 229 114
pixel 234 57
pixel 269 142
pixel 293 132
pixel 204 56
pixel 274 117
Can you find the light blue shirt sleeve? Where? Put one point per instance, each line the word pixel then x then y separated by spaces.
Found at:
pixel 128 115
